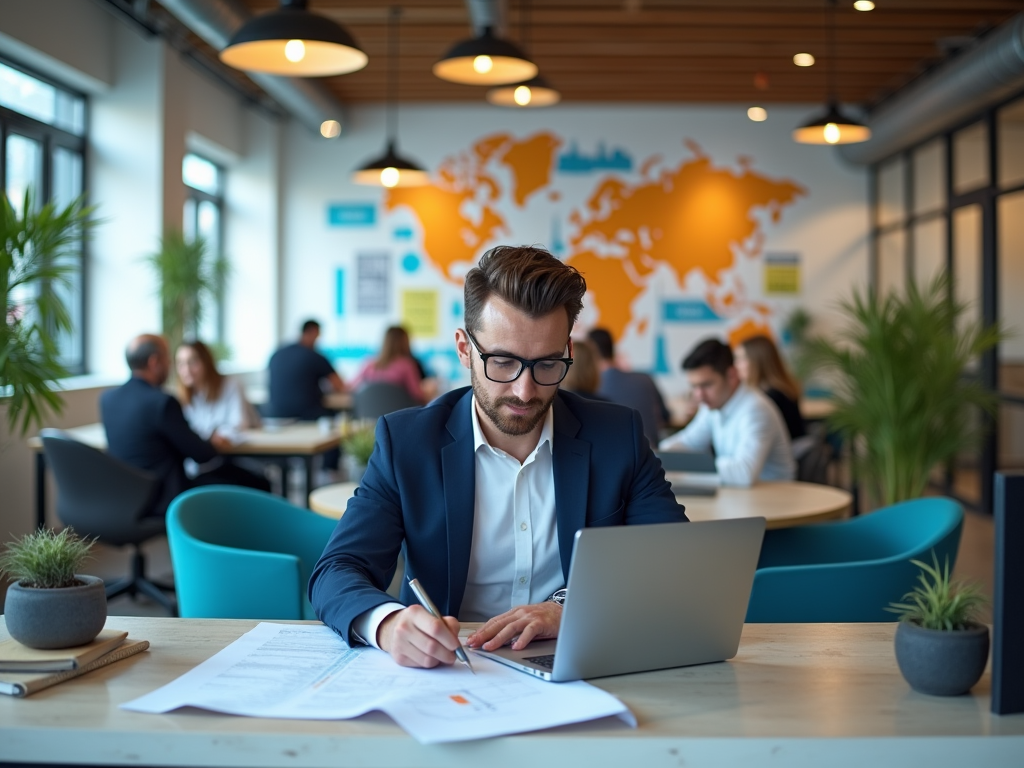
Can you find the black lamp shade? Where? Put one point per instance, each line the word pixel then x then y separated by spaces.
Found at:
pixel 540 94
pixel 507 63
pixel 327 47
pixel 404 173
pixel 833 127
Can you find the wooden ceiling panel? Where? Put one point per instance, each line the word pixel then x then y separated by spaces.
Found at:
pixel 672 50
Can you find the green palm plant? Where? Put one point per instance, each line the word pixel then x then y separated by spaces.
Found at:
pixel 904 395
pixel 38 254
pixel 190 276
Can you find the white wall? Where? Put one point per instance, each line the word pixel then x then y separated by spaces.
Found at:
pixel 827 227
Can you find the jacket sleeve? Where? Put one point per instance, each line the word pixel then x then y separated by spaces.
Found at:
pixel 360 558
pixel 695 437
pixel 180 434
pixel 650 498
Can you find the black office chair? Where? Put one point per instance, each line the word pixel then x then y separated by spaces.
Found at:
pixel 100 496
pixel 812 463
pixel 378 398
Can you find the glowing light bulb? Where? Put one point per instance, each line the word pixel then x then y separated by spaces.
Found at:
pixel 295 51
pixel 832 133
pixel 522 95
pixel 864 5
pixel 757 114
pixel 330 129
pixel 483 64
pixel 389 177
pixel 803 60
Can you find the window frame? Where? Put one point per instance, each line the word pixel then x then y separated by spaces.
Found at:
pixel 198 196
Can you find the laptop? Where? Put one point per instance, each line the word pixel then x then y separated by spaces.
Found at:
pixel 690 473
pixel 643 597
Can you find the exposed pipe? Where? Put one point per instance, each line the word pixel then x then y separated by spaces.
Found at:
pixel 309 102
pixel 951 93
pixel 487 13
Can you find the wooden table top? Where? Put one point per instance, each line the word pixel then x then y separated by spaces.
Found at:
pixel 782 504
pixel 299 438
pixel 810 694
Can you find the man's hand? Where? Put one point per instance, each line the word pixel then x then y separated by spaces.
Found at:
pixel 524 623
pixel 220 442
pixel 414 638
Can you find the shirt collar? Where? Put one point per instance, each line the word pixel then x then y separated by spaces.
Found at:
pixel 546 433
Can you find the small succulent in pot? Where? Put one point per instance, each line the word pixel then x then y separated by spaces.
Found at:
pixel 50 604
pixel 358 446
pixel 941 647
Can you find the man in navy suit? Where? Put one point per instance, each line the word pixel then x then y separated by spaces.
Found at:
pixel 145 426
pixel 486 487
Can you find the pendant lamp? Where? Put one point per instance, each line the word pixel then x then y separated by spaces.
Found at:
pixel 292 41
pixel 832 127
pixel 536 92
pixel 485 60
pixel 391 169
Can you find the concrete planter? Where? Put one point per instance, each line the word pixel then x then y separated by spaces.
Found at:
pixel 56 618
pixel 941 663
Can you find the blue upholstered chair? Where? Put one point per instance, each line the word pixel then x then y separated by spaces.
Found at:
pixel 243 554
pixel 852 569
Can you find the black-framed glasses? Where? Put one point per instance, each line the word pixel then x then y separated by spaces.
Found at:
pixel 504 368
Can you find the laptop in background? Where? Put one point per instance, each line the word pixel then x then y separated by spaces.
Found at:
pixel 644 597
pixel 690 473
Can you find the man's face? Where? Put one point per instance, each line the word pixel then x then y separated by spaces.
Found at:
pixel 517 407
pixel 712 388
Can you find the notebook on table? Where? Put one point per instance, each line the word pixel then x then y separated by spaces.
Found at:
pixel 643 597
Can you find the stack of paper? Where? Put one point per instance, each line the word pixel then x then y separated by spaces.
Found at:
pixel 25 670
pixel 308 672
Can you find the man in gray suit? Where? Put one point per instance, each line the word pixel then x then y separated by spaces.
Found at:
pixel 630 388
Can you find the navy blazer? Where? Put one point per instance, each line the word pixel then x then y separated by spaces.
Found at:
pixel 146 428
pixel 419 491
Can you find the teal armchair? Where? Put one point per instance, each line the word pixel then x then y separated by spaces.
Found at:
pixel 243 554
pixel 851 570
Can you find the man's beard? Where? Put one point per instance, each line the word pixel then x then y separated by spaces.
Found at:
pixel 508 423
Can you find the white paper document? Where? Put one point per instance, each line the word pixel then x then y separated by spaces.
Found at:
pixel 308 672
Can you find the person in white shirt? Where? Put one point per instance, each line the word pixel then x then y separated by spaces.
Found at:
pixel 484 489
pixel 214 404
pixel 740 423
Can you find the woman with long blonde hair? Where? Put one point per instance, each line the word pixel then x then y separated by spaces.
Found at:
pixel 760 365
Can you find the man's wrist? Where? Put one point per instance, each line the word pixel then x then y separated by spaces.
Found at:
pixel 557 597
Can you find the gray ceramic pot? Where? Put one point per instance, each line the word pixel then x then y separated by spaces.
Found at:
pixel 56 618
pixel 941 663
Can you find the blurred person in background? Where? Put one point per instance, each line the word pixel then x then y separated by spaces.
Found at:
pixel 298 377
pixel 760 365
pixel 394 365
pixel 584 376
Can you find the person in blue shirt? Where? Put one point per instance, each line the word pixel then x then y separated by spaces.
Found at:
pixel 298 376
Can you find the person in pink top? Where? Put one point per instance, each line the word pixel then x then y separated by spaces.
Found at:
pixel 394 365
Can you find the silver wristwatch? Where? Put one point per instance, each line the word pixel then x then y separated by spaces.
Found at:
pixel 558 596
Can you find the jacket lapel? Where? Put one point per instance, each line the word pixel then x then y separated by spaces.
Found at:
pixel 459 478
pixel 571 463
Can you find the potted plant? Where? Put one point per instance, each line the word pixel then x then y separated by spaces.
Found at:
pixel 904 392
pixel 358 447
pixel 190 276
pixel 39 250
pixel 50 604
pixel 941 648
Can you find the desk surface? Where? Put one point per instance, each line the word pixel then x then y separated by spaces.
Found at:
pixel 781 504
pixel 817 694
pixel 296 439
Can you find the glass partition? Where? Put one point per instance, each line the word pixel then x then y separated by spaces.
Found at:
pixel 890 192
pixel 892 270
pixel 970 158
pixel 929 170
pixel 1011 144
pixel 929 249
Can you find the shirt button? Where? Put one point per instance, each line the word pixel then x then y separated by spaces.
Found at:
pixel 522 579
pixel 522 527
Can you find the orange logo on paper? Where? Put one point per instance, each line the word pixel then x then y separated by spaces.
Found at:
pixel 459 699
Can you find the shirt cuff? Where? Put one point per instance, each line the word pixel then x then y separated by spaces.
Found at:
pixel 365 625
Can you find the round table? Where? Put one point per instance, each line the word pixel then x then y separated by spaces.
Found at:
pixel 782 504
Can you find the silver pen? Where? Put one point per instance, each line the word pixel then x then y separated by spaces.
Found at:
pixel 426 602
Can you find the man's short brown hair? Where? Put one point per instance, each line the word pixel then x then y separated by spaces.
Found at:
pixel 530 279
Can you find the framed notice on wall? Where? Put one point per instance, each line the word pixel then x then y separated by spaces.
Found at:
pixel 373 283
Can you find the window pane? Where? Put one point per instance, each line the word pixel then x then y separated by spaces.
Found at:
pixel 967 259
pixel 201 174
pixel 188 226
pixel 970 158
pixel 1010 272
pixel 892 262
pixel 890 192
pixel 1011 434
pixel 1011 144
pixel 929 250
pixel 930 177
pixel 208 221
pixel 24 170
pixel 67 176
pixel 67 185
pixel 30 96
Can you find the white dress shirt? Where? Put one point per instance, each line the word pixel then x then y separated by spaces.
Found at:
pixel 514 558
pixel 748 435
pixel 228 415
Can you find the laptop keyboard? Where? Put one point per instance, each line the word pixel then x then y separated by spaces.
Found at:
pixel 548 662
